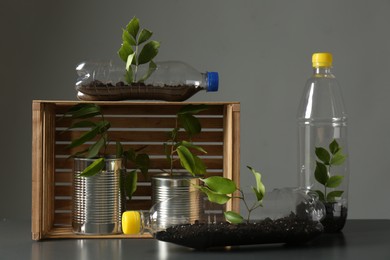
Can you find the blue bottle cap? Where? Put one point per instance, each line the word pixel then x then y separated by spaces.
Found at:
pixel 212 81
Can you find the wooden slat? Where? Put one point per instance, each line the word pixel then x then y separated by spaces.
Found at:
pixel 214 163
pixel 139 108
pixel 143 136
pixel 150 149
pixel 228 147
pixel 48 171
pixel 236 153
pixel 144 122
pixel 63 204
pixel 37 168
pixel 64 219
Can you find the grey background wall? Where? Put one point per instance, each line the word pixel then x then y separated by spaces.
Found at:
pixel 262 50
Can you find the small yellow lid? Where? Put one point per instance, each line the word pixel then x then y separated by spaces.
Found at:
pixel 323 59
pixel 131 222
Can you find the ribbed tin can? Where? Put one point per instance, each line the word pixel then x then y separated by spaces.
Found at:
pixel 97 200
pixel 165 187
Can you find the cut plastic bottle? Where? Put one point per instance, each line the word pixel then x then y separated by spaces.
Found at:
pixel 169 81
pixel 286 216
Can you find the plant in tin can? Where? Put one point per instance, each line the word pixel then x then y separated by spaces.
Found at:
pixel 89 116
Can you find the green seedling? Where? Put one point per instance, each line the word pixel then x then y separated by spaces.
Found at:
pixel 326 160
pixel 137 49
pixel 220 190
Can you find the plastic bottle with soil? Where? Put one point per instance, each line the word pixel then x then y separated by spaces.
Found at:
pixel 285 216
pixel 170 81
pixel 322 141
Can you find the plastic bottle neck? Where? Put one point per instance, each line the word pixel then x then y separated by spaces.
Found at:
pixel 145 222
pixel 323 72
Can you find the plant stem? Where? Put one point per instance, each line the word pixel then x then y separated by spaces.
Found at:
pixel 325 190
pixel 105 137
pixel 246 205
pixel 136 63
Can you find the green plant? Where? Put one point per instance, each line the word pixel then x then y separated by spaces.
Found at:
pixel 322 173
pixel 220 190
pixel 133 38
pixel 89 116
pixel 177 148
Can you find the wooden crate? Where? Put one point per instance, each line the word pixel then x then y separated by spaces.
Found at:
pixel 135 124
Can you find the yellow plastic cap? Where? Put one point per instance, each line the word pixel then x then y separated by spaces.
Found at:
pixel 323 59
pixel 131 222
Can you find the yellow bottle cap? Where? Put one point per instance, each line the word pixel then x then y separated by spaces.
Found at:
pixel 131 222
pixel 323 59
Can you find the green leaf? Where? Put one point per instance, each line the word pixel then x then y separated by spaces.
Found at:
pixel 172 134
pixel 334 181
pixel 190 123
pixel 133 27
pixel 233 217
pixel 260 188
pixel 95 148
pixel 142 161
pixel 125 50
pixel 82 111
pixel 334 147
pixel 338 158
pixel 129 62
pixel 131 179
pixel 78 154
pixel 103 126
pixel 321 195
pixel 200 167
pixel 93 168
pixel 186 158
pixel 119 150
pixel 151 69
pixel 323 155
pixel 148 52
pixel 214 197
pixel 144 36
pixel 334 194
pixel 84 138
pixel 126 37
pixel 129 76
pixel 130 154
pixel 321 173
pixel 192 146
pixel 220 184
pixel 192 109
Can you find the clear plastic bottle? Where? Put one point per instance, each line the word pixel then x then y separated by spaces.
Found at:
pixel 286 216
pixel 322 141
pixel 170 81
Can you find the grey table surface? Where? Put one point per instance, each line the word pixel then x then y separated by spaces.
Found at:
pixel 360 239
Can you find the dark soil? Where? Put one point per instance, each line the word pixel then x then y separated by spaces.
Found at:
pixel 97 90
pixel 335 218
pixel 291 230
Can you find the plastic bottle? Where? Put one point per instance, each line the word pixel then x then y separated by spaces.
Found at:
pixel 170 81
pixel 286 216
pixel 322 125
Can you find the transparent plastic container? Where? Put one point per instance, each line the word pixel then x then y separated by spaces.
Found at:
pixel 287 216
pixel 171 81
pixel 322 141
